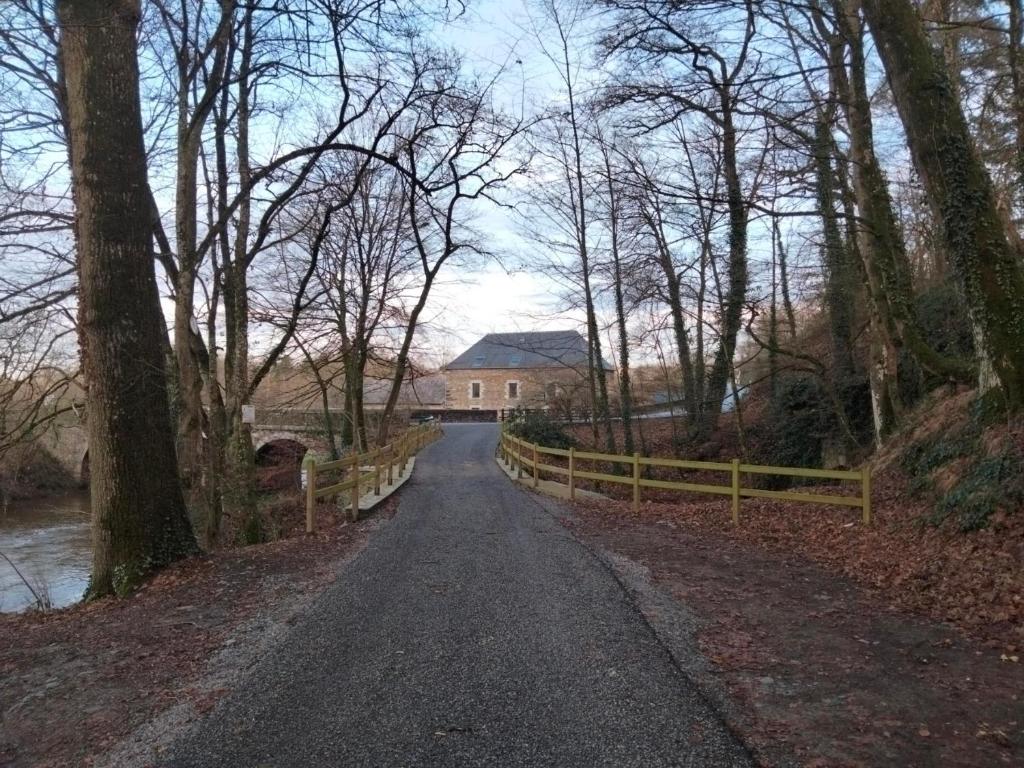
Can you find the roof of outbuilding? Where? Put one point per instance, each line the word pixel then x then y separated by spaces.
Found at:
pixel 418 391
pixel 540 349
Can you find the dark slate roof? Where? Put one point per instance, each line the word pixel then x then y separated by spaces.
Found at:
pixel 543 349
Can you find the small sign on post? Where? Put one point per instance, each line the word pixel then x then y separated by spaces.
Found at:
pixel 248 414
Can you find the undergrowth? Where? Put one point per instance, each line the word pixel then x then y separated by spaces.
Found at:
pixel 975 483
pixel 538 427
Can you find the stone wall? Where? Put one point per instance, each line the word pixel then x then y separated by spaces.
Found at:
pixel 537 387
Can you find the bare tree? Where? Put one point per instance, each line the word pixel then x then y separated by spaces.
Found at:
pixel 139 518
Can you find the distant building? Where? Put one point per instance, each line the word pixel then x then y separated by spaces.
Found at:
pixel 529 370
pixel 419 393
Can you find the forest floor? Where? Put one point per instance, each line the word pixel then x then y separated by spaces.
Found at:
pixel 77 682
pixel 807 664
pixel 973 580
pixel 898 643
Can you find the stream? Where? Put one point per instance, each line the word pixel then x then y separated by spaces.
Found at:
pixel 48 540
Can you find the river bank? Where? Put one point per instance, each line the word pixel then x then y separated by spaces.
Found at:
pixel 76 685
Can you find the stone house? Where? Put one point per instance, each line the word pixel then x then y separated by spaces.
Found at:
pixel 545 369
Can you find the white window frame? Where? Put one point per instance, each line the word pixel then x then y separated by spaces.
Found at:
pixel 519 389
pixel 479 384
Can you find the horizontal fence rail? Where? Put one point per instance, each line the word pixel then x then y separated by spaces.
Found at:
pixel 519 454
pixel 364 470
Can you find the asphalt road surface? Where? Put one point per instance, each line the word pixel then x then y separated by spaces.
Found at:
pixel 473 630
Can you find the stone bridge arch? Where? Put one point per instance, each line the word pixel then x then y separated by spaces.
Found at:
pixel 279 453
pixel 68 443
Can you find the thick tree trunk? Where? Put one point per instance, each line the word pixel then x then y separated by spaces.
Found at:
pixel 982 252
pixel 838 271
pixel 738 276
pixel 139 517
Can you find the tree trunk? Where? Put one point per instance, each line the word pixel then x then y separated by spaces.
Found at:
pixel 838 273
pixel 238 486
pixel 1015 59
pixel 787 301
pixel 738 275
pixel 675 304
pixel 625 395
pixel 139 517
pixel 958 187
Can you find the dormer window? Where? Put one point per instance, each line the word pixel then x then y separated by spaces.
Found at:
pixel 479 360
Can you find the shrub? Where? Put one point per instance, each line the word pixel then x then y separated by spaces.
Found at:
pixel 538 427
pixel 798 420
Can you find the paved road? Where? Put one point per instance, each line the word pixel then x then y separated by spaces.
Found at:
pixel 472 631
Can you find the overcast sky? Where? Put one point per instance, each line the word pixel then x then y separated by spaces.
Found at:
pixel 493 37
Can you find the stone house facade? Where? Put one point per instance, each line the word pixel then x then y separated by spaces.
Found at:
pixel 519 370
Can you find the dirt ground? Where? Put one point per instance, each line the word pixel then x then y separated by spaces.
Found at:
pixel 820 670
pixel 75 683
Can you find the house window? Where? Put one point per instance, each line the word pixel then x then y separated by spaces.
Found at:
pixel 474 390
pixel 513 390
pixel 478 361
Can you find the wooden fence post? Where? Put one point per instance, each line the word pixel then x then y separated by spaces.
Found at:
pixel 376 472
pixel 536 472
pixel 735 491
pixel 519 459
pixel 355 491
pixel 391 463
pixel 636 482
pixel 865 489
pixel 309 464
pixel 572 471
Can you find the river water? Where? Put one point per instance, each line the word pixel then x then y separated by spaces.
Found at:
pixel 48 540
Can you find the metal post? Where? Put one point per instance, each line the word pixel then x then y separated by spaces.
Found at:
pixel 572 470
pixel 735 491
pixel 309 465
pixel 636 482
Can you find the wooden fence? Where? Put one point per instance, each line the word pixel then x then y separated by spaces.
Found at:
pixel 364 470
pixel 518 453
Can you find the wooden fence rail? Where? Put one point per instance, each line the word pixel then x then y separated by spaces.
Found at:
pixel 518 453
pixel 364 470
